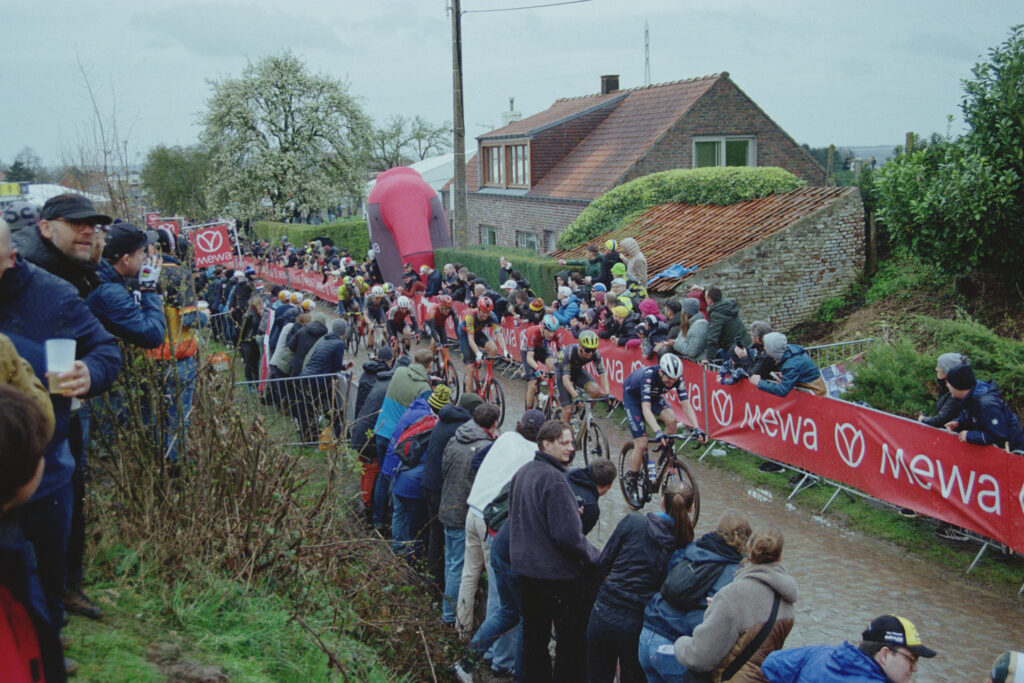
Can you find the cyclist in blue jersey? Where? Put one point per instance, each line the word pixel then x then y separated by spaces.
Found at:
pixel 643 397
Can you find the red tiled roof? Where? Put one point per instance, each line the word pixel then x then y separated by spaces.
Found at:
pixel 643 116
pixel 561 110
pixel 703 235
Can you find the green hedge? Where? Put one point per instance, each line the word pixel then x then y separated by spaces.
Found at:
pixel 899 377
pixel 350 233
pixel 720 186
pixel 485 262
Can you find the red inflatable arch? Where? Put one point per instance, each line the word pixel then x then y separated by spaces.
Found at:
pixel 407 221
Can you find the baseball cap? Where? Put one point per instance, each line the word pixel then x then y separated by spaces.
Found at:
pixel 532 419
pixel 893 630
pixel 509 284
pixel 599 287
pixel 74 207
pixel 424 268
pixel 125 238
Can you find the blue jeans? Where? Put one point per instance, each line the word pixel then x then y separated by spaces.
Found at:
pixel 454 555
pixel 660 667
pixel 413 521
pixel 46 522
pixel 179 384
pixel 500 632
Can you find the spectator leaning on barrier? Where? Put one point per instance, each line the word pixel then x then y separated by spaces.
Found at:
pixel 795 366
pixel 725 328
pixel 888 652
pixel 691 343
pixel 433 280
pixel 984 418
pixel 754 360
pixel 947 407
pixel 567 307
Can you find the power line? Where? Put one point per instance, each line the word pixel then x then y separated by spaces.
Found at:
pixel 512 9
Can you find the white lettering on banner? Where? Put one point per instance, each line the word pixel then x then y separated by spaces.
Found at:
pixel 694 394
pixel 721 407
pixel 849 444
pixel 922 469
pixel 1020 498
pixel 614 368
pixel 636 364
pixel 801 430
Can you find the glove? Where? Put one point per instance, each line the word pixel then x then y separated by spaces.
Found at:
pixel 479 356
pixel 700 434
pixel 659 435
pixel 149 273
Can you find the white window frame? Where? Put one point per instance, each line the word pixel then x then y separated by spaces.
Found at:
pixel 521 243
pixel 721 140
pixel 487 231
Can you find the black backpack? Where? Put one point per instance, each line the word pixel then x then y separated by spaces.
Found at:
pixel 687 585
pixel 496 512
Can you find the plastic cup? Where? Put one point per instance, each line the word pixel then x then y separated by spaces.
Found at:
pixel 60 358
pixel 203 306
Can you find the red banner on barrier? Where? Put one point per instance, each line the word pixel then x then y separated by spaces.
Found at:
pixel 212 246
pixel 891 458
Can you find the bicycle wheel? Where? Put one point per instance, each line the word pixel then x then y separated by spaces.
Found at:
pixel 496 395
pixel 595 443
pixel 451 378
pixel 635 499
pixel 681 472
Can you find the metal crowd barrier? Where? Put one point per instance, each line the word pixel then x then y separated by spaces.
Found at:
pixel 825 355
pixel 302 411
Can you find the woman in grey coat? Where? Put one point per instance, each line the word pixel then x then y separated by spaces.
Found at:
pixel 691 343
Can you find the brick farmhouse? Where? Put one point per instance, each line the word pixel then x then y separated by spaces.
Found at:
pixel 531 178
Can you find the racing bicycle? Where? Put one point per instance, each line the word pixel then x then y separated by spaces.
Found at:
pixel 445 369
pixel 488 387
pixel 667 468
pixel 589 436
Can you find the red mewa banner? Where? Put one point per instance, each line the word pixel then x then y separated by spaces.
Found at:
pixel 212 246
pixel 886 456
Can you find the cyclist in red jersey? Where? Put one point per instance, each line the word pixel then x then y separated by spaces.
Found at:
pixel 473 335
pixel 538 348
pixel 436 320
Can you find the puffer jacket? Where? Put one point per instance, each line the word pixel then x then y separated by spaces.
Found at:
pixel 797 370
pixel 326 357
pixel 741 608
pixel 667 621
pixel 724 326
pixel 138 323
pixel 567 310
pixel 633 565
pixel 301 342
pixel 988 420
pixel 636 262
pixel 408 383
pixel 369 379
pixel 947 407
pixel 457 473
pixel 448 422
pixel 694 345
pixel 822 663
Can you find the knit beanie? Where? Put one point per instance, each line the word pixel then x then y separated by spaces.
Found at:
pixel 619 269
pixel 339 327
pixel 469 401
pixel 441 397
pixel 774 344
pixel 961 377
pixel 691 306
pixel 620 312
pixel 948 361
pixel 1008 668
pixel 537 304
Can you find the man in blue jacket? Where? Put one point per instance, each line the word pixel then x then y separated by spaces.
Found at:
pixel 36 306
pixel 888 652
pixel 985 418
pixel 140 323
pixel 796 369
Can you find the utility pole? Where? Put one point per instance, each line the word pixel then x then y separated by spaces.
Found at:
pixel 647 54
pixel 460 237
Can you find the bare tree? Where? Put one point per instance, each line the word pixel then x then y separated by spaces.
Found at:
pixel 427 139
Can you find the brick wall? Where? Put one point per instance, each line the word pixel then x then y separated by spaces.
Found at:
pixel 785 278
pixel 531 214
pixel 726 110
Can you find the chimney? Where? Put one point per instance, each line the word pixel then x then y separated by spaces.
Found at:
pixel 609 83
pixel 511 115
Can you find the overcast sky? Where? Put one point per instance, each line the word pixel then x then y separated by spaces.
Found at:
pixel 850 73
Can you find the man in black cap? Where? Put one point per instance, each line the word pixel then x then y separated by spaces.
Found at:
pixel 124 257
pixel 62 240
pixel 888 652
pixel 985 419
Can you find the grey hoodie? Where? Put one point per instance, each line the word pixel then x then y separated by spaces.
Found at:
pixel 735 616
pixel 457 473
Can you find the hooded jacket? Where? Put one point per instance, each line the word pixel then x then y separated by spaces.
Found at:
pixel 822 663
pixel 587 496
pixel 449 420
pixel 636 262
pixel 138 323
pixel 408 383
pixel 694 345
pixel 633 564
pixel 371 375
pixel 301 342
pixel 363 426
pixel 418 409
pixel 326 357
pixel 734 618
pixel 797 369
pixel 567 309
pixel 667 621
pixel 724 326
pixel 988 420
pixel 509 452
pixel 623 330
pixel 546 533
pixel 457 473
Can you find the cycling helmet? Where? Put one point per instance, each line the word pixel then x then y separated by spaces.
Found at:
pixel 359 279
pixel 347 280
pixel 388 288
pixel 550 322
pixel 671 366
pixel 444 300
pixel 484 304
pixel 295 297
pixel 588 339
pixel 377 291
pixel 404 302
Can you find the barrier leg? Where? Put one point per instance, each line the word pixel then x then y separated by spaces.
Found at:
pixel 830 500
pixel 800 486
pixel 977 558
pixel 711 444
